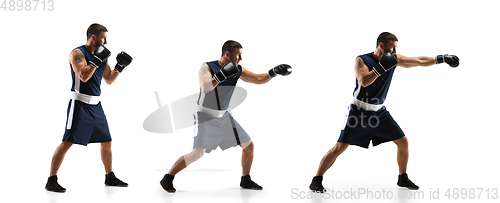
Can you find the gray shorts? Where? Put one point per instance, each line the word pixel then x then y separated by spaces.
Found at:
pixel 212 132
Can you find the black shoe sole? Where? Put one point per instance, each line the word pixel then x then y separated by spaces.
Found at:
pixel 320 191
pixel 251 188
pixel 171 191
pixel 116 185
pixel 410 188
pixel 59 191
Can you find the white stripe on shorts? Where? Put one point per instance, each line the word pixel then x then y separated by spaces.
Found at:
pixel 196 122
pixel 70 115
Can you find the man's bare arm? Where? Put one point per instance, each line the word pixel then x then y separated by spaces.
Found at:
pixel 79 64
pixel 207 82
pixel 251 77
pixel 408 62
pixel 363 74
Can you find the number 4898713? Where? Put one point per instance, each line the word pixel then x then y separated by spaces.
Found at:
pixel 27 5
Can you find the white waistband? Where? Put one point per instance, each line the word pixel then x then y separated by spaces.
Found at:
pixel 85 98
pixel 212 112
pixel 367 106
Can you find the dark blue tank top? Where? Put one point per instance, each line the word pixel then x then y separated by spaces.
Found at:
pixel 220 96
pixel 93 85
pixel 377 91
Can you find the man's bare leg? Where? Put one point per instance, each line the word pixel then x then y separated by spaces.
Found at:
pixel 107 156
pixel 107 160
pixel 403 153
pixel 402 157
pixel 55 164
pixel 330 157
pixel 181 163
pixel 326 162
pixel 246 164
pixel 58 157
pixel 246 157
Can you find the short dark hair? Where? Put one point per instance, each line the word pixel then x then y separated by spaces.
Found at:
pixel 386 37
pixel 230 45
pixel 95 29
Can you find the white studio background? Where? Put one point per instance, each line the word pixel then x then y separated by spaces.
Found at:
pixel 449 115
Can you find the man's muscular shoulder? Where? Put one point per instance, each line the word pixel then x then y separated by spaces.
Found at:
pixel 76 56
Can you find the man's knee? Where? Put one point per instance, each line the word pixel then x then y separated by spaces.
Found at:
pixel 65 145
pixel 247 146
pixel 194 155
pixel 339 148
pixel 402 142
pixel 106 145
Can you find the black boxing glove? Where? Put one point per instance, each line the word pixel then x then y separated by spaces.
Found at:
pixel 451 60
pixel 228 70
pixel 282 69
pixel 101 53
pixel 122 61
pixel 386 63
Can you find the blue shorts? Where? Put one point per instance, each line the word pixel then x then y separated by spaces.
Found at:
pixel 212 132
pixel 86 123
pixel 365 126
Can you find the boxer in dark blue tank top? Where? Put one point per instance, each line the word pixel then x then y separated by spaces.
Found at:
pixel 214 125
pixel 377 91
pixel 221 96
pixel 368 120
pixel 93 85
pixel 86 121
pixel 80 113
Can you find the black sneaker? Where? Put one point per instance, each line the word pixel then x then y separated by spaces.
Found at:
pixel 53 186
pixel 316 184
pixel 167 183
pixel 112 180
pixel 403 181
pixel 247 183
